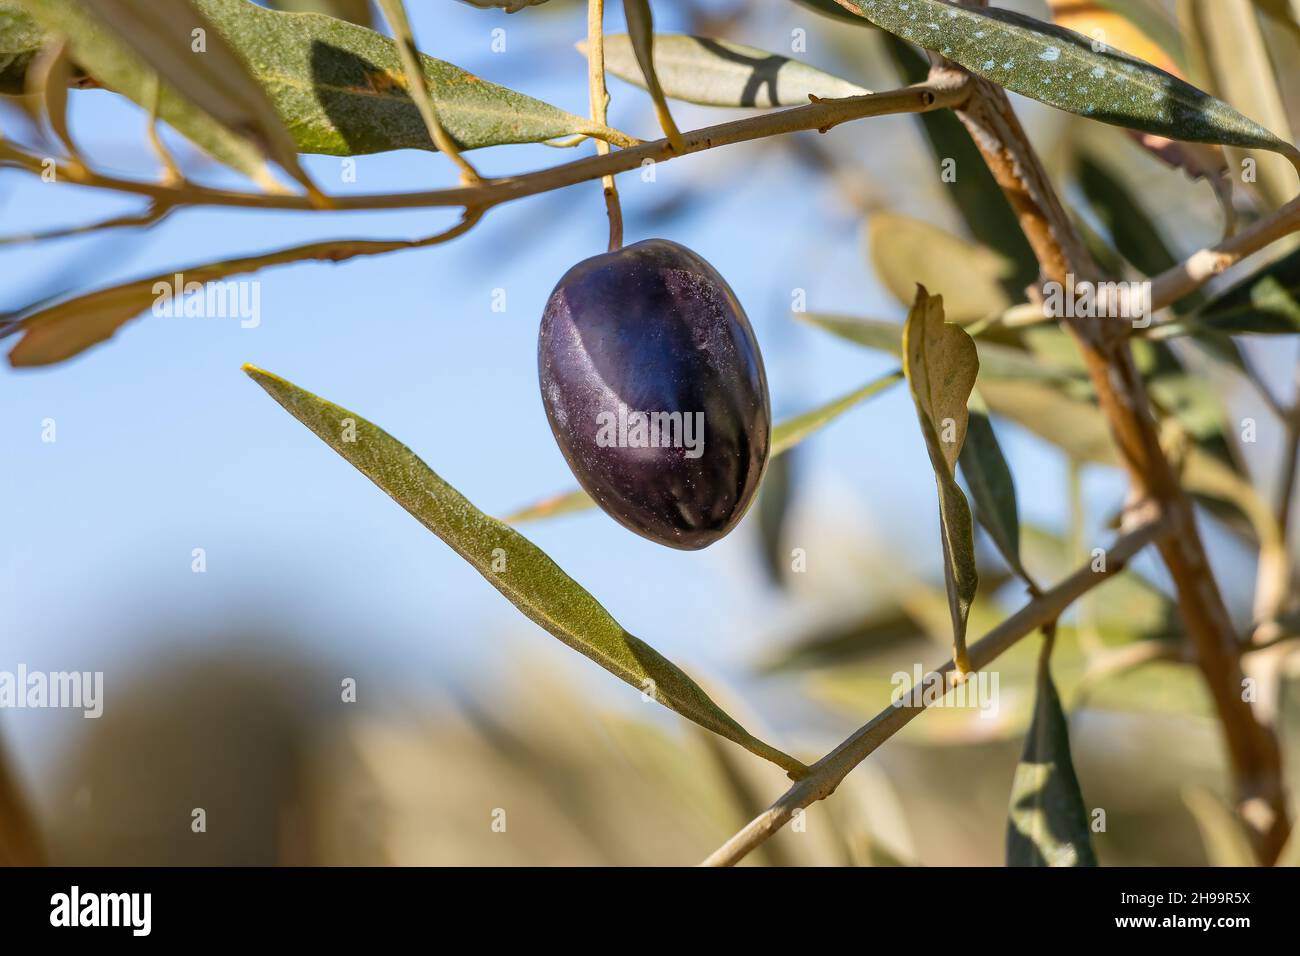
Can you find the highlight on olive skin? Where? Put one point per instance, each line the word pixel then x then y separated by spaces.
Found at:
pixel 655 391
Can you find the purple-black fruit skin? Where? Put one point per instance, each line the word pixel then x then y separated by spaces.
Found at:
pixel 655 327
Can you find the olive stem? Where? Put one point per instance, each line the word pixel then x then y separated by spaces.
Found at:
pixel 599 104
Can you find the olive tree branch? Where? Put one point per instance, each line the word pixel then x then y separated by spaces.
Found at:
pixel 1199 268
pixel 1121 392
pixel 822 115
pixel 825 775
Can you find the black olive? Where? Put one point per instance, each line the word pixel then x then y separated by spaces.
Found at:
pixel 655 391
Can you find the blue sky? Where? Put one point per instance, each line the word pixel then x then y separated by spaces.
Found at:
pixel 164 446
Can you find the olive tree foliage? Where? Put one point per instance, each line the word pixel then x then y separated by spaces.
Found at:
pixel 1085 329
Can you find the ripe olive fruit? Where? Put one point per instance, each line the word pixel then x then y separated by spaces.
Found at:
pixel 655 391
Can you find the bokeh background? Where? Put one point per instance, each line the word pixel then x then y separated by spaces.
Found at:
pixel 223 688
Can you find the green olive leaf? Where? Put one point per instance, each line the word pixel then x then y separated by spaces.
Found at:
pixel 842 641
pixel 793 431
pixel 1077 427
pixel 941 365
pixel 21 38
pixel 338 87
pixel 341 88
pixel 991 485
pixel 399 25
pixel 721 73
pixel 193 59
pixel 59 331
pixel 103 53
pixel 1069 71
pixel 906 251
pixel 785 436
pixel 511 563
pixel 879 335
pixel 1048 821
pixel 996 361
pixel 772 516
pixel 553 506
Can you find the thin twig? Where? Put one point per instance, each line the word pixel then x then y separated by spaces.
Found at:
pixel 599 96
pixel 153 215
pixel 1121 392
pixel 1198 269
pixel 821 115
pixel 827 773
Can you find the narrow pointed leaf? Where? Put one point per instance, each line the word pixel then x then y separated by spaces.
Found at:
pixel 338 87
pixel 878 335
pixel 772 514
pixel 192 58
pixel 1048 821
pixel 21 38
pixel 114 64
pixel 341 89
pixel 1077 427
pixel 721 73
pixel 785 435
pixel 996 361
pixel 1133 232
pixel 906 251
pixel 792 431
pixel 843 641
pixel 1061 68
pixel 511 563
pixel 991 485
pixel 941 364
pixel 56 332
pixel 554 506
